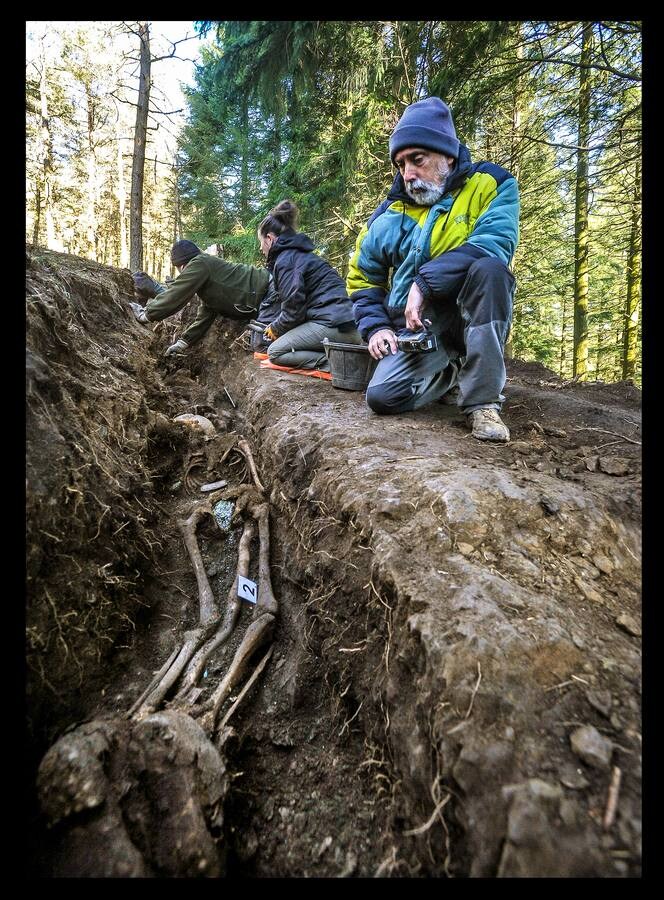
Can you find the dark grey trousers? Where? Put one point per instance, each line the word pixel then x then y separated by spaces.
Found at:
pixel 471 330
pixel 302 346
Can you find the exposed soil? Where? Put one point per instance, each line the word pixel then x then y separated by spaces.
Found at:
pixel 451 614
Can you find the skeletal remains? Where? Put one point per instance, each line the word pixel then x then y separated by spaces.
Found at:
pixel 186 664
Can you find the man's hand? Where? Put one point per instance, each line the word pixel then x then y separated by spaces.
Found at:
pixel 178 347
pixel 269 334
pixel 414 308
pixel 382 343
pixel 139 312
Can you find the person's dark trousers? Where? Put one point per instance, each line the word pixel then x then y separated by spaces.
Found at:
pixel 472 330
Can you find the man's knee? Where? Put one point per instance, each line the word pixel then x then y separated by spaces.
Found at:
pixel 490 268
pixel 487 292
pixel 389 397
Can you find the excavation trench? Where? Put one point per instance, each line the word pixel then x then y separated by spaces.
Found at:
pixel 455 669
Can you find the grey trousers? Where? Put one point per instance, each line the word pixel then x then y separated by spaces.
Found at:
pixel 471 330
pixel 302 346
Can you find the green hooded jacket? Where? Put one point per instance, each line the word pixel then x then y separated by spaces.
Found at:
pixel 229 289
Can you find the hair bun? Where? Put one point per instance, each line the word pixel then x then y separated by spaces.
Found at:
pixel 287 212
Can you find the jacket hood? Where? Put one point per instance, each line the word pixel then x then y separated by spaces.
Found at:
pixel 290 240
pixel 461 171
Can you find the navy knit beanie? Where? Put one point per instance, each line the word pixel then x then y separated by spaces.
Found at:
pixel 183 251
pixel 427 123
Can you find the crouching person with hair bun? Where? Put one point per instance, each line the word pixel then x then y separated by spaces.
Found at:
pixel 314 303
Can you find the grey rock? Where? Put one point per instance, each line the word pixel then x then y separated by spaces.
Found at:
pixel 521 447
pixel 601 701
pixel 603 563
pixel 629 624
pixel 569 812
pixel 588 592
pixel 550 507
pixel 614 465
pixel 573 778
pixel 591 746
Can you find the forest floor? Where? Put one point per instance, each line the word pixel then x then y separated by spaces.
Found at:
pixel 455 681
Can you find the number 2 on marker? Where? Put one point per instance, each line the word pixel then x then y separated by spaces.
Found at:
pixel 247 589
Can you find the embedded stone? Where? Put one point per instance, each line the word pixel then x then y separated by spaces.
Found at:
pixel 601 701
pixel 629 624
pixel 614 465
pixel 592 747
pixel 603 563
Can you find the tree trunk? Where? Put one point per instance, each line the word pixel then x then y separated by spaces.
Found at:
pixel 562 337
pixel 92 236
pixel 599 344
pixel 37 222
pixel 515 164
pixel 633 296
pixel 177 224
pixel 122 202
pixel 138 162
pixel 47 160
pixel 581 237
pixel 244 174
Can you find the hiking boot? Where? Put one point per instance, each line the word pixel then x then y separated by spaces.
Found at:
pixel 488 426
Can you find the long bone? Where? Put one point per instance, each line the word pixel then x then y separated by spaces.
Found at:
pixel 208 615
pixel 197 664
pixel 245 449
pixel 255 636
pixel 208 606
pixel 266 599
pixel 260 630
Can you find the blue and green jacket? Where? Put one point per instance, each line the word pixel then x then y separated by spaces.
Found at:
pixel 435 245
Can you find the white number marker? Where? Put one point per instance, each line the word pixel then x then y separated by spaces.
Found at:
pixel 247 589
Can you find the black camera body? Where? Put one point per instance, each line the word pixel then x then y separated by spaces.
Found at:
pixel 418 342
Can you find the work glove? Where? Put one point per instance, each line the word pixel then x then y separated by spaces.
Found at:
pixel 178 347
pixel 269 334
pixel 145 287
pixel 139 312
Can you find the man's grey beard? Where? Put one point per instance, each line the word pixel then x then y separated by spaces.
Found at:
pixel 426 193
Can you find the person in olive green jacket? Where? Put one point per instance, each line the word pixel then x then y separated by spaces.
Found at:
pixel 233 290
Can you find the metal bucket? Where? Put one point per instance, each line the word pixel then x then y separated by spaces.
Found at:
pixel 351 366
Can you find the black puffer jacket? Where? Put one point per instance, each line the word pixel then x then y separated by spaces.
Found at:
pixel 309 288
